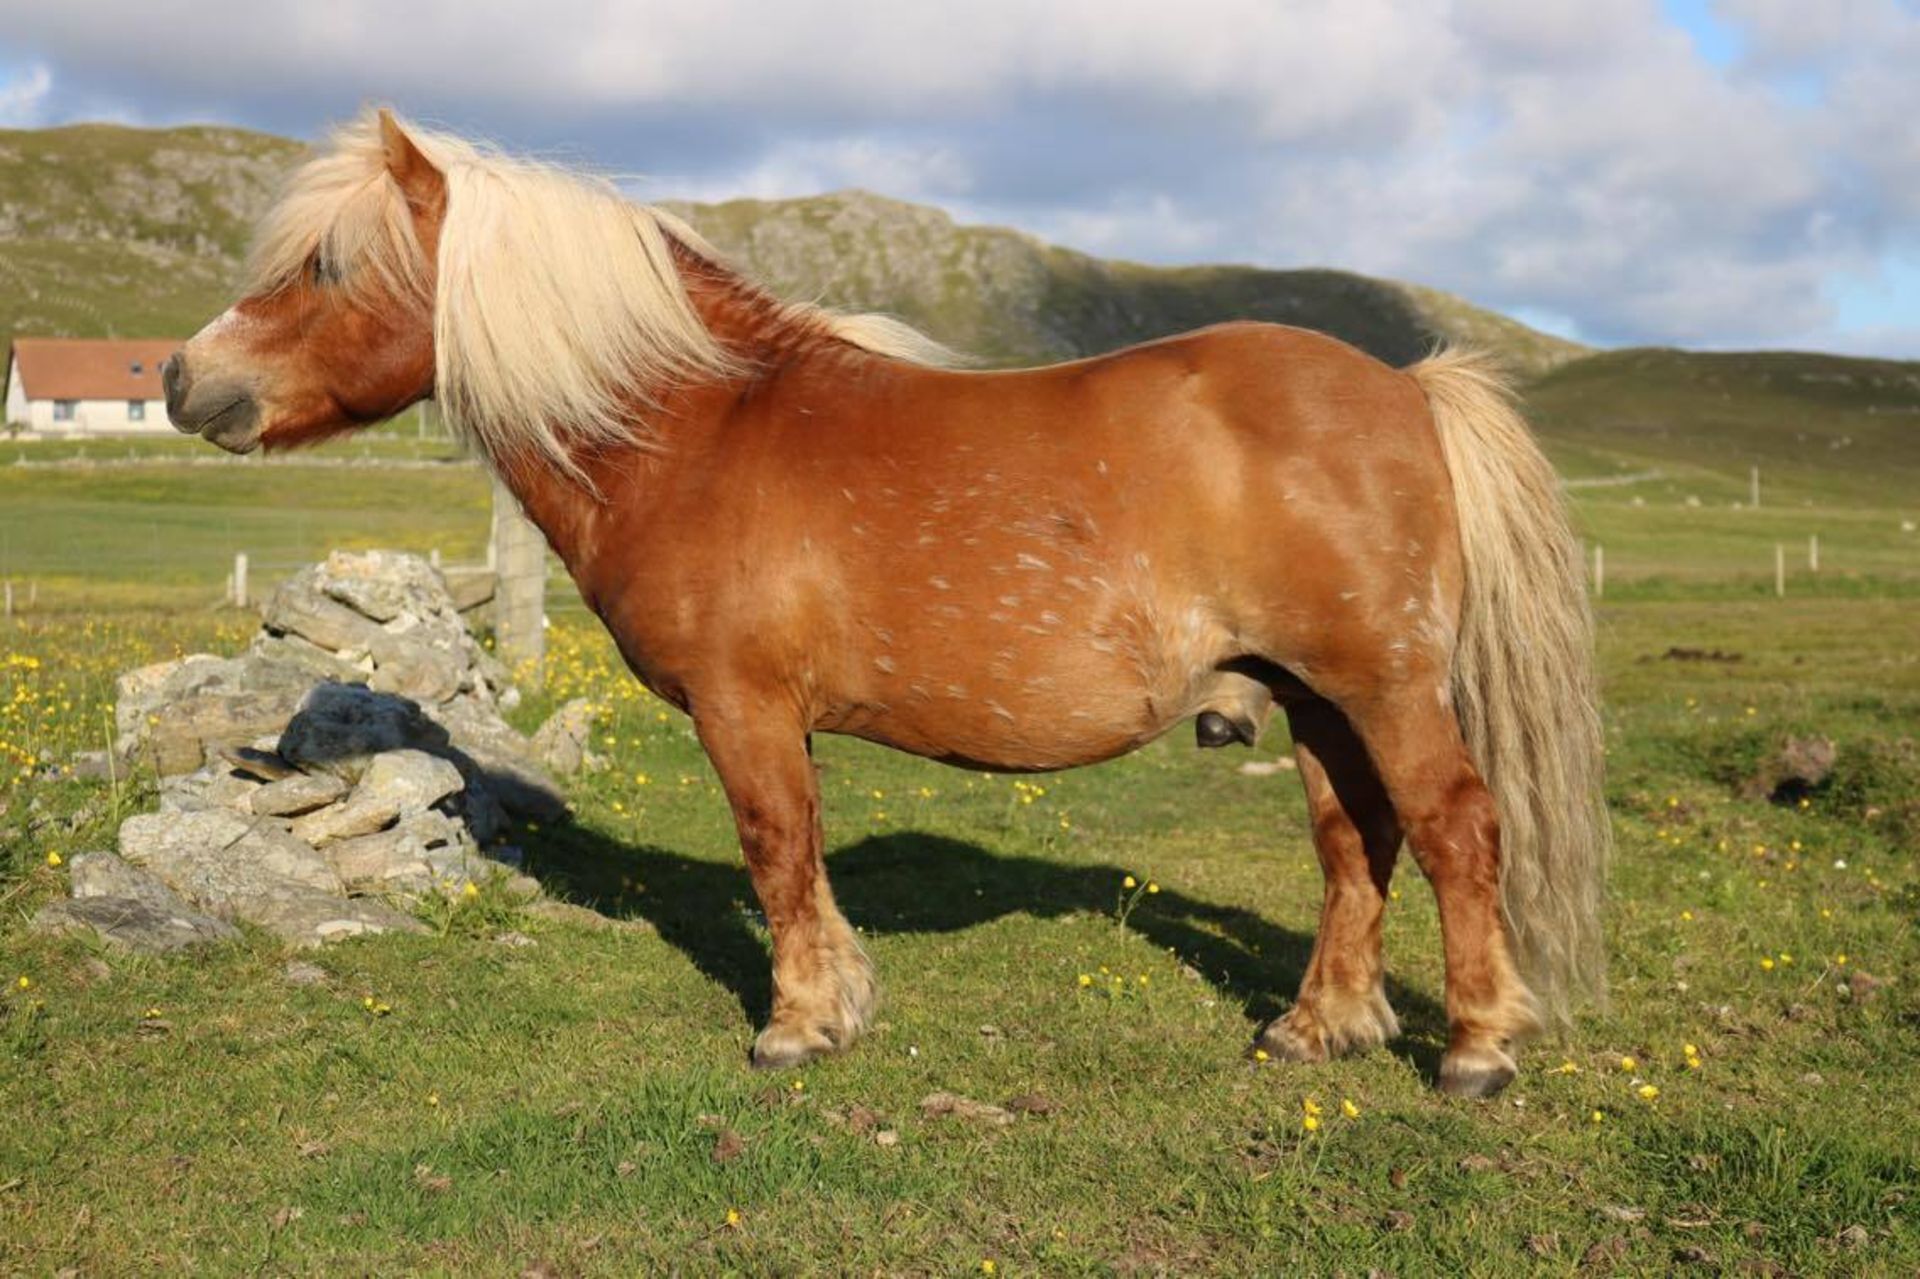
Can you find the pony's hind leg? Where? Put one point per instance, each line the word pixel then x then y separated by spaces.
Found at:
pixel 1342 1006
pixel 1452 825
pixel 823 986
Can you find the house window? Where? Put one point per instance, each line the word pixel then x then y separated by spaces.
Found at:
pixel 136 410
pixel 63 410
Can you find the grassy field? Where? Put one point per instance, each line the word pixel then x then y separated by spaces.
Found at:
pixel 583 1104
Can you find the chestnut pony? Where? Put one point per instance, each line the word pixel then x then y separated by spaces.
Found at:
pixel 793 520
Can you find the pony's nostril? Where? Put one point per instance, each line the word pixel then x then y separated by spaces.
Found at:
pixel 173 382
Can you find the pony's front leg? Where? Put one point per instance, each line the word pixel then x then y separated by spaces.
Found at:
pixel 823 987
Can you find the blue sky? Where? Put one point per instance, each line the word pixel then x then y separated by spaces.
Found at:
pixel 1711 173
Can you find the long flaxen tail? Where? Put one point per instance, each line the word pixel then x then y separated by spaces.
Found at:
pixel 1523 678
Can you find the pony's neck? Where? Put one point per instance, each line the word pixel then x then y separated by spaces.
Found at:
pixel 746 319
pixel 766 336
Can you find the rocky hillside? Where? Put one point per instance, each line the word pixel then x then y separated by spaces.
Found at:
pixel 110 231
pixel 1008 298
pixel 138 233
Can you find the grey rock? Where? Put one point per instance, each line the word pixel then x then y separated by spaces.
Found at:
pixel 129 908
pixel 347 820
pixel 293 796
pixel 409 779
pixel 395 782
pixel 107 875
pixel 136 924
pixel 298 653
pixel 299 972
pixel 561 743
pixel 306 916
pixel 415 668
pixel 390 614
pixel 298 609
pixel 215 785
pixel 216 857
pixel 426 852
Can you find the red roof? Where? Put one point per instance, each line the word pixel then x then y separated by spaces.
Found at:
pixel 92 368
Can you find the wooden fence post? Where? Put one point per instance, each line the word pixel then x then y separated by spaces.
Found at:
pixel 1599 570
pixel 240 579
pixel 1780 569
pixel 518 553
pixel 1813 552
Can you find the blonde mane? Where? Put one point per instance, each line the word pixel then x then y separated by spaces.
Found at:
pixel 558 308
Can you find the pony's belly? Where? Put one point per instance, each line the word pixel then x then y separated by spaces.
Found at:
pixel 1047 707
pixel 1013 739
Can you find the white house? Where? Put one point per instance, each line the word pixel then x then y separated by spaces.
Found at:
pixel 87 386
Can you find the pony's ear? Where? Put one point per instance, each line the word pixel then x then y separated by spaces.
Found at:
pixel 424 186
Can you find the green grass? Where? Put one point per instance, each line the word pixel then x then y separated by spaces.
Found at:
pixel 115 524
pixel 561 1103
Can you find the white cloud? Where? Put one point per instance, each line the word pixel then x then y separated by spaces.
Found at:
pixel 23 97
pixel 1577 158
pixel 904 171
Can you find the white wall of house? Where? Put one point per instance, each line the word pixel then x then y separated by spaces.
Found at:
pixel 17 408
pixel 86 417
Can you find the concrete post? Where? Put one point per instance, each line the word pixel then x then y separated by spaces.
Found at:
pixel 518 552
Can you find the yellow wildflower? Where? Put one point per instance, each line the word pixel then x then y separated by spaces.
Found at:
pixel 54 859
pixel 1766 963
pixel 1152 887
pixel 471 890
pixel 1129 882
pixel 433 1099
pixel 25 982
pixel 1086 980
pixel 1348 1109
pixel 1596 1116
pixel 799 1085
pixel 1311 1106
pixel 986 1266
pixel 1629 1064
pixel 1260 1054
pixel 1310 1123
pixel 1647 1092
pixel 733 1217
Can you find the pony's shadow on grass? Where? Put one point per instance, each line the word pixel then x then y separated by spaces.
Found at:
pixel 917 882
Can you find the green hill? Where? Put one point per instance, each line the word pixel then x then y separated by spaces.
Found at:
pixel 1825 425
pixel 111 231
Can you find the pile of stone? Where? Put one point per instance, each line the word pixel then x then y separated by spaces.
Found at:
pixel 351 761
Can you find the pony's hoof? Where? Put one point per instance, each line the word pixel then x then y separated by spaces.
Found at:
pixel 1283 1041
pixel 779 1047
pixel 1477 1072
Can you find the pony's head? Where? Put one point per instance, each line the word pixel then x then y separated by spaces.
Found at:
pixel 336 328
pixel 545 313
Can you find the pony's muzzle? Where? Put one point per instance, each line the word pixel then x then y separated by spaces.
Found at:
pixel 223 413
